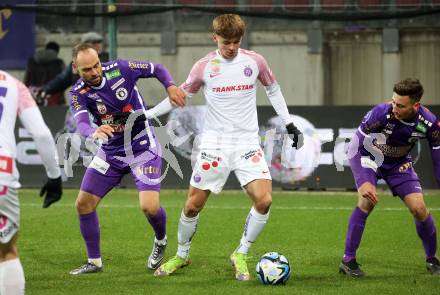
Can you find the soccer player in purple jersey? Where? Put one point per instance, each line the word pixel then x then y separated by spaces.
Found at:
pixel 380 149
pixel 108 92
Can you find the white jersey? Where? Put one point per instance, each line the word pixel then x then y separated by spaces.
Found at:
pixel 229 87
pixel 16 100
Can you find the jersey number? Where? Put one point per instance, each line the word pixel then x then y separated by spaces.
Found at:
pixel 3 91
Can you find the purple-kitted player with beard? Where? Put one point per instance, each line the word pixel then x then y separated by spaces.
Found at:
pixel 108 92
pixel 380 149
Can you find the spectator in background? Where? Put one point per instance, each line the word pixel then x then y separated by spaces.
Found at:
pixel 68 77
pixel 43 67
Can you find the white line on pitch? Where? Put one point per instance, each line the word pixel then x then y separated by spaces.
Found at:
pixel 237 207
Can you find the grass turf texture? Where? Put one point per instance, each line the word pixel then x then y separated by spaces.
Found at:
pixel 308 228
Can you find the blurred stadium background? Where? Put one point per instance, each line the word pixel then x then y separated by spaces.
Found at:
pixel 333 58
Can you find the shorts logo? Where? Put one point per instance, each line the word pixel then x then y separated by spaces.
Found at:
pixel 405 167
pixel 113 74
pixel 247 71
pixel 121 93
pixel 148 170
pixel 99 165
pixel 197 178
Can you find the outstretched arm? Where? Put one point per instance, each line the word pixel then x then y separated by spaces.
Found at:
pixel 278 102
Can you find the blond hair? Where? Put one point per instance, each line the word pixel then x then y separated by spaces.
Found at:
pixel 229 26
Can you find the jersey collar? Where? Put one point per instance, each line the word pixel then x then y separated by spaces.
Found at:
pixel 100 85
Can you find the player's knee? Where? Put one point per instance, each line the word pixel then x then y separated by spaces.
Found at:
pixel 150 211
pixel 419 212
pixel 84 206
pixel 263 203
pixel 192 209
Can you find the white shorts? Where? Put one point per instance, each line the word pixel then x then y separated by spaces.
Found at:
pixel 212 167
pixel 9 213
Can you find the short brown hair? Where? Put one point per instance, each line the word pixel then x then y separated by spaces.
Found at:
pixel 81 47
pixel 229 26
pixel 409 87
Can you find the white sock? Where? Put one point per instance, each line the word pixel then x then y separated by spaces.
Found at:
pixel 11 277
pixel 95 261
pixel 186 230
pixel 255 223
pixel 161 242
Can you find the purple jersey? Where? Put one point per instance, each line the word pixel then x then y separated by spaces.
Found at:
pixel 388 141
pixel 117 93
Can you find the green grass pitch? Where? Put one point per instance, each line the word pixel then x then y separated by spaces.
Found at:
pixel 308 228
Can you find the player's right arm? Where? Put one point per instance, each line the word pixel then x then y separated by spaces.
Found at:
pixel 78 106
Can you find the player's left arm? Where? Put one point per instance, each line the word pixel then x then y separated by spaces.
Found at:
pixel 433 137
pixel 144 69
pixel 31 118
pixel 276 98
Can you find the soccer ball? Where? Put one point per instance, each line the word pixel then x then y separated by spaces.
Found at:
pixel 273 269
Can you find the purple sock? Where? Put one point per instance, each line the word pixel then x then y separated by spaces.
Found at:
pixel 159 223
pixel 89 226
pixel 428 234
pixel 356 226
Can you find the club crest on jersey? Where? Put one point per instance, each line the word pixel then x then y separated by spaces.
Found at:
pixel 215 66
pixel 102 109
pixel 121 93
pixel 247 71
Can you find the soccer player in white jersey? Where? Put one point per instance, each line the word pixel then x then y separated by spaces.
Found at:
pixel 16 100
pixel 229 141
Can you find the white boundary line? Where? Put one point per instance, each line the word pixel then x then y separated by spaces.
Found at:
pixel 303 208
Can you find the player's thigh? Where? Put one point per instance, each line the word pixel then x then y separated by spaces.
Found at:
pixel 100 177
pixel 147 173
pixel 403 180
pixel 249 165
pixel 149 202
pixel 211 170
pixel 9 216
pixel 416 205
pixel 195 201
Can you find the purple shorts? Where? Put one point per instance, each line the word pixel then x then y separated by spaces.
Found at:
pixel 105 172
pixel 401 178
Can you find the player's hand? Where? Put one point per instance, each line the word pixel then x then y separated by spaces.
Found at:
pixel 177 96
pixel 103 132
pixel 52 191
pixel 295 135
pixel 368 191
pixel 40 97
